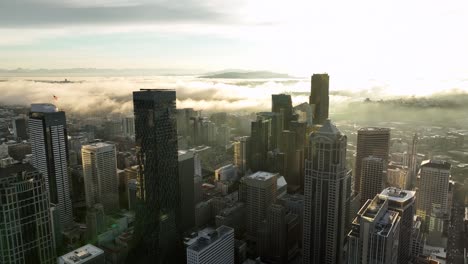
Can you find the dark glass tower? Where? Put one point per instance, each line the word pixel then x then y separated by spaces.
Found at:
pixel 281 103
pixel 157 232
pixel 319 97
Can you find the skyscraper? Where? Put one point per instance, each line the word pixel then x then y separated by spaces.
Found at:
pixel 319 99
pixel 259 144
pixel 281 103
pixel 374 234
pixel 100 176
pixel 326 197
pixel 402 201
pixel 157 216
pixel 432 188
pixel 20 128
pixel 372 177
pixel 25 225
pixel 128 126
pixel 260 192
pixel 371 141
pixel 241 152
pixel 48 134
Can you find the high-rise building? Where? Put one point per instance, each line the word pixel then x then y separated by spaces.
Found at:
pixel 326 197
pixel 48 135
pixel 259 144
pixel 319 97
pixel 157 216
pixel 371 141
pixel 25 225
pixel 413 161
pixel 372 177
pixel 187 164
pixel 281 103
pixel 403 202
pixel 276 127
pixel 241 152
pixel 374 236
pixel 432 188
pixel 100 176
pixel 20 128
pixel 128 126
pixel 260 192
pixel 212 247
pixel 398 176
pixel 278 238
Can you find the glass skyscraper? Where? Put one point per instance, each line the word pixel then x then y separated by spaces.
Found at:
pixel 157 231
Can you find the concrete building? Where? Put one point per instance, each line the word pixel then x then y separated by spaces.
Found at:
pixel 100 176
pixel 20 128
pixel 374 235
pixel 260 192
pixel 226 173
pixel 403 202
pixel 25 223
pixel 187 172
pixel 319 97
pixel 371 141
pixel 212 247
pixel 372 177
pixel 432 188
pixel 87 254
pixel 48 135
pixel 259 144
pixel 326 197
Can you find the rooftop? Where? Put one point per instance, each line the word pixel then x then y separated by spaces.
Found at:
pixel 81 255
pixel 43 108
pixel 261 176
pixel 396 194
pixel 374 129
pixel 439 164
pixel 208 236
pixel 98 146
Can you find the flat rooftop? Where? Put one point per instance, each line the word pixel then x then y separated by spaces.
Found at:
pixel 261 176
pixel 209 236
pixel 396 194
pixel 98 146
pixel 81 255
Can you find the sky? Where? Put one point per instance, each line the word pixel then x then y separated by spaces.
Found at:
pixel 379 38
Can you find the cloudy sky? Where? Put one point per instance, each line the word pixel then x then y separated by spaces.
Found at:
pixel 376 39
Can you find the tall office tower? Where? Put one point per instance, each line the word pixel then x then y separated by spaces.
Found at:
pixel 259 144
pixel 276 120
pixel 319 98
pixel 20 128
pixel 371 141
pixel 432 188
pixel 183 117
pixel 326 197
pixel 260 192
pixel 100 176
pixel 374 234
pixel 187 173
pixel 25 225
pixel 281 103
pixel 157 217
pixel 413 161
pixel 212 247
pixel 398 176
pixel 241 152
pixel 128 126
pixel 48 134
pixel 372 177
pixel 292 155
pixel 403 202
pixel 278 239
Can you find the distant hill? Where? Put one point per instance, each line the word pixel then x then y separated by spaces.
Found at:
pixel 246 75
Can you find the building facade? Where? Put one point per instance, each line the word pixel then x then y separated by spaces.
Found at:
pixel 25 224
pixel 212 247
pixel 157 215
pixel 372 177
pixel 326 197
pixel 48 135
pixel 100 176
pixel 319 97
